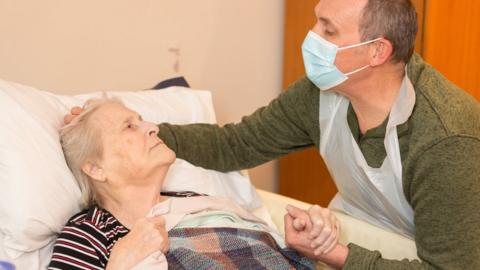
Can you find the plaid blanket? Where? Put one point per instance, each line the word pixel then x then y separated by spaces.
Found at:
pixel 230 248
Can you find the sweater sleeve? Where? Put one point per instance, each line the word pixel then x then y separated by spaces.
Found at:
pixel 444 193
pixel 287 124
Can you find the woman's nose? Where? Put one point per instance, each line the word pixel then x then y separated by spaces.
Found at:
pixel 151 129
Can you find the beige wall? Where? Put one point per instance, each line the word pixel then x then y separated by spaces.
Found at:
pixel 231 47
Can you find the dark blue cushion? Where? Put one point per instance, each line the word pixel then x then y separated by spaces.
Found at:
pixel 177 81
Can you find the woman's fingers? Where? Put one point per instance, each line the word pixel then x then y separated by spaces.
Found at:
pixel 147 236
pixel 161 240
pixel 299 224
pixel 301 219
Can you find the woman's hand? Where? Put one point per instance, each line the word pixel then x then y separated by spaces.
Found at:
pixel 74 112
pixel 147 236
pixel 313 232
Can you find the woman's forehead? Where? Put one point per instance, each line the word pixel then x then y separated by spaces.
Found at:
pixel 113 114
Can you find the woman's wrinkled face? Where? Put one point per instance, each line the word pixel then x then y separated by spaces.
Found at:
pixel 132 150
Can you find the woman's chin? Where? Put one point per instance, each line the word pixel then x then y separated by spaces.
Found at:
pixel 171 157
pixel 166 161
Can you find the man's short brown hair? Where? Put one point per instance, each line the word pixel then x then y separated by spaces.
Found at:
pixel 395 20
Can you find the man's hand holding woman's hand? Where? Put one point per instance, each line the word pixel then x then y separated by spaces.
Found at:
pixel 315 234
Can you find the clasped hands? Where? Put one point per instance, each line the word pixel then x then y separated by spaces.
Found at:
pixel 313 232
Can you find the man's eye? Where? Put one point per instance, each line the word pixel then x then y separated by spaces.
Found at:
pixel 329 33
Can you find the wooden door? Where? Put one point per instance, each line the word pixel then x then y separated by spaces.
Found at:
pixel 303 175
pixel 452 41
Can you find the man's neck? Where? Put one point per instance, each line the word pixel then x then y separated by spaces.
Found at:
pixel 373 101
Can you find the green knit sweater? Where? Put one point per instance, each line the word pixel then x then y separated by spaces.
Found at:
pixel 440 151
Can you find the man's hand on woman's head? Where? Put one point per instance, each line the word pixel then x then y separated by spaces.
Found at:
pixel 74 112
pixel 313 232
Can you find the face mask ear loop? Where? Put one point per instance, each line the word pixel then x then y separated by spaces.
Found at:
pixel 356 70
pixel 358 45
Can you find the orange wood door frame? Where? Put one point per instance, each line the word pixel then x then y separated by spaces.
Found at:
pixel 452 41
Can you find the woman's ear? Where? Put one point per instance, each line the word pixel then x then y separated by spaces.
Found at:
pixel 94 170
pixel 381 51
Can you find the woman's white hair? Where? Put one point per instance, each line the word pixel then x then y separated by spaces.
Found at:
pixel 81 142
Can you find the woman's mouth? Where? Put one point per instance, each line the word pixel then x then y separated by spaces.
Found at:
pixel 156 144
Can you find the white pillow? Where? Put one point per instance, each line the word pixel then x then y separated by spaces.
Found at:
pixel 38 191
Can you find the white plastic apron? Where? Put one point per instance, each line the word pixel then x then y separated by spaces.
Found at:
pixel 371 194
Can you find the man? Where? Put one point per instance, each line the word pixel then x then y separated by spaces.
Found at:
pixel 402 143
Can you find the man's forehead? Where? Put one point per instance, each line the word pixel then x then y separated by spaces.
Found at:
pixel 340 12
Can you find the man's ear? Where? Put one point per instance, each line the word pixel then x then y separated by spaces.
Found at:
pixel 94 170
pixel 381 52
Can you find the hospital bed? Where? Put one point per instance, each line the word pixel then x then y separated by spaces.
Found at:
pixel 390 245
pixel 38 192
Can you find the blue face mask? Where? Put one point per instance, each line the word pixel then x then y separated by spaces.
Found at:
pixel 319 59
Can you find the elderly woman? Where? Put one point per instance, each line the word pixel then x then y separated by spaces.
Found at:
pixel 120 164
